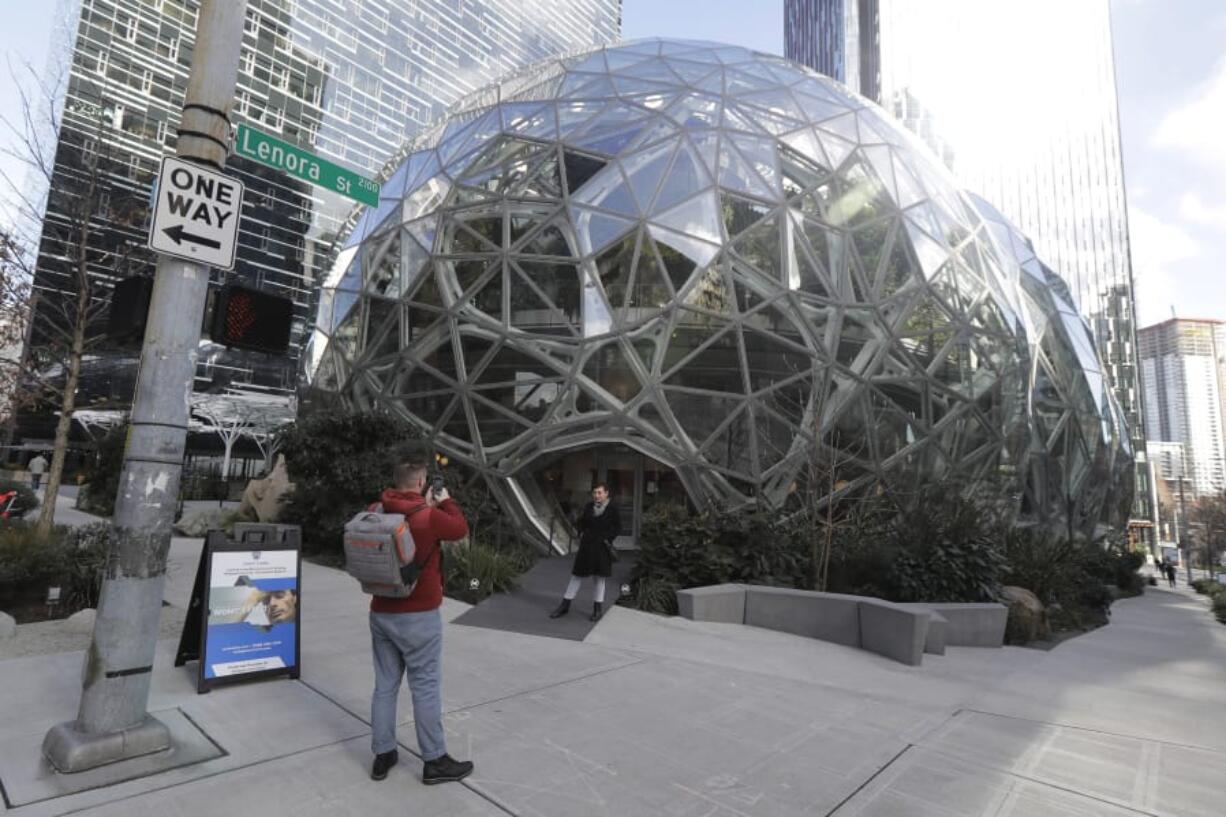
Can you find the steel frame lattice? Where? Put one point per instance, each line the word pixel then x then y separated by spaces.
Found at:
pixel 714 256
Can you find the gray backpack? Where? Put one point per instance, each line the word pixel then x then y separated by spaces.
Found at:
pixel 379 552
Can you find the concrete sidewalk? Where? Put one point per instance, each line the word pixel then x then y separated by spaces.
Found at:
pixel 661 716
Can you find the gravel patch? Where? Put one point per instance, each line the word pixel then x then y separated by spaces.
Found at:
pixel 45 637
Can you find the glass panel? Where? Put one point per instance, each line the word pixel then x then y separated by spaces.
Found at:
pixel 614 266
pixel 609 368
pixel 699 414
pixel 730 448
pixel 714 367
pixel 698 217
pixel 580 168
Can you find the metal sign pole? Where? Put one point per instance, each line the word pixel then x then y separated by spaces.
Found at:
pixel 113 722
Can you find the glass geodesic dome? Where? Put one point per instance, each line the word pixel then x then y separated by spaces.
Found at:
pixel 711 256
pixel 1079 461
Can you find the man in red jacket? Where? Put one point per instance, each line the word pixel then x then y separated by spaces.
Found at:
pixel 407 633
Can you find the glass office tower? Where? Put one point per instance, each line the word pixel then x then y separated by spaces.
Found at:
pixel 1019 100
pixel 349 80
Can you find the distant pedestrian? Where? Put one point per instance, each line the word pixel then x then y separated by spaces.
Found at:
pixel 599 524
pixel 37 467
pixel 1170 574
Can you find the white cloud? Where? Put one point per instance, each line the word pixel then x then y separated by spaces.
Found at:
pixel 1157 248
pixel 1198 126
pixel 1196 210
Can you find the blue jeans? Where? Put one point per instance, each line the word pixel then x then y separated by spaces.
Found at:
pixel 412 642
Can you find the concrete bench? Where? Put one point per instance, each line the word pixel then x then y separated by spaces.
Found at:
pixel 938 629
pixel 718 602
pixel 974 625
pixel 825 616
pixel 879 626
pixel 893 630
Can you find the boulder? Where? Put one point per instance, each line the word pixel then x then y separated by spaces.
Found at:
pixel 8 626
pixel 262 498
pixel 81 622
pixel 1027 618
pixel 196 524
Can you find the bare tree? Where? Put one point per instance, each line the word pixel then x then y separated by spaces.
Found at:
pixel 63 216
pixel 1209 513
pixel 235 415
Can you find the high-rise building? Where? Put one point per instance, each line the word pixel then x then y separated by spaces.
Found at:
pixel 349 80
pixel 1183 367
pixel 1019 100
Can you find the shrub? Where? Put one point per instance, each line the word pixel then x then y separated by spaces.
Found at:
pixel 493 570
pixel 102 476
pixel 1202 585
pixel 654 595
pixel 340 461
pixel 85 552
pixel 1219 607
pixel 71 559
pixel 947 550
pixel 679 550
pixel 25 501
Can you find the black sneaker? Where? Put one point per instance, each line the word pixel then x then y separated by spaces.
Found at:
pixel 383 762
pixel 445 769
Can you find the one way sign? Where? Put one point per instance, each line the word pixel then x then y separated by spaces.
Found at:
pixel 196 215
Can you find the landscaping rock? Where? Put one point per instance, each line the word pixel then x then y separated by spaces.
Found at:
pixel 262 498
pixel 198 523
pixel 8 626
pixel 81 622
pixel 1027 618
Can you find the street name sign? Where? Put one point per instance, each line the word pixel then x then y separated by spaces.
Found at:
pixel 196 214
pixel 275 153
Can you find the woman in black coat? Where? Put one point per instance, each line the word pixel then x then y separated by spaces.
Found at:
pixel 599 524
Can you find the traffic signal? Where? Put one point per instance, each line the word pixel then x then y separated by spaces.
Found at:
pixel 129 309
pixel 246 318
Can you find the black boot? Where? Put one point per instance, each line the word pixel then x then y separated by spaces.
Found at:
pixel 596 611
pixel 383 762
pixel 562 609
pixel 445 769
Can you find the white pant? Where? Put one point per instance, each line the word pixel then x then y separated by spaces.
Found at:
pixel 572 589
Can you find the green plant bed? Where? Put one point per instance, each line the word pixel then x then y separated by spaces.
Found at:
pixel 339 462
pixel 493 570
pixel 1219 607
pixel 98 495
pixel 70 558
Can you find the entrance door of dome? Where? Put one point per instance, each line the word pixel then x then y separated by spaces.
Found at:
pixel 636 482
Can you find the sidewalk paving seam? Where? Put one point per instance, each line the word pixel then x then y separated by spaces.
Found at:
pixel 870 779
pixel 493 801
pixel 1140 738
pixel 471 786
pixel 1036 781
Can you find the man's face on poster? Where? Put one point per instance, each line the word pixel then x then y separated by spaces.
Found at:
pixel 282 606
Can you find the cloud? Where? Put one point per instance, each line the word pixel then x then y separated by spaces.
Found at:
pixel 1157 248
pixel 1196 210
pixel 1198 125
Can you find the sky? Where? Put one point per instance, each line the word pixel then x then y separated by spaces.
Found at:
pixel 1171 76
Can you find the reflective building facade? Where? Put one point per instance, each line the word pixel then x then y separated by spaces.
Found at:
pixel 1019 100
pixel 1183 367
pixel 348 80
pixel 688 269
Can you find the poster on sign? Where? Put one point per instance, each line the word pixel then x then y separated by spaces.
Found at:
pixel 252 623
pixel 244 617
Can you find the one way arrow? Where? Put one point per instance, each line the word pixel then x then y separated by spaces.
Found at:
pixel 178 236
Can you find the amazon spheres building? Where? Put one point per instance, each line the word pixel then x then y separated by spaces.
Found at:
pixel 691 270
